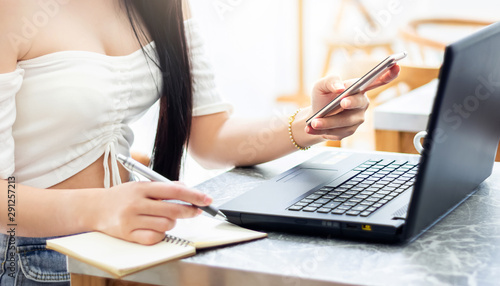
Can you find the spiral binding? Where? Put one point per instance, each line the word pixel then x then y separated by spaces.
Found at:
pixel 176 240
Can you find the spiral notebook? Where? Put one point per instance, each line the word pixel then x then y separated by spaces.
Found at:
pixel 119 257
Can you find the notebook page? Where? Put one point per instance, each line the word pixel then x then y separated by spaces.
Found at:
pixel 205 232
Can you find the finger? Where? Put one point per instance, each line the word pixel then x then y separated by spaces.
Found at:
pixel 162 191
pixel 146 236
pixel 349 82
pixel 332 83
pixel 168 209
pixel 345 119
pixel 356 101
pixel 180 183
pixel 174 210
pixel 337 134
pixel 341 133
pixel 386 78
pixel 154 223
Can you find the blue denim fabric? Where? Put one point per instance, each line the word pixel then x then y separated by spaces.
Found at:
pixel 32 263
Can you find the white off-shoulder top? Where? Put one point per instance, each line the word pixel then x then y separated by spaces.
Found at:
pixel 62 111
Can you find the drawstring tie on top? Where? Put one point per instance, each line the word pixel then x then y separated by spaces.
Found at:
pixel 110 150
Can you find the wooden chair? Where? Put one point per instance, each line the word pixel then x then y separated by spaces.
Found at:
pixel 412 32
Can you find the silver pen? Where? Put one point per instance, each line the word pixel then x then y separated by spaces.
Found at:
pixel 136 167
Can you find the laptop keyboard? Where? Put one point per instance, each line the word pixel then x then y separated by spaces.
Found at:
pixel 377 183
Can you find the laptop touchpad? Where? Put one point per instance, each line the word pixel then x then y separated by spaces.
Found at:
pixel 276 196
pixel 306 179
pixel 296 184
pixel 308 176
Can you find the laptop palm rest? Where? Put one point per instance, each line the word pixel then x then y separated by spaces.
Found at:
pixel 271 197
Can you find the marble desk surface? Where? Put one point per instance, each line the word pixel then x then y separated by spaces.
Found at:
pixel 462 249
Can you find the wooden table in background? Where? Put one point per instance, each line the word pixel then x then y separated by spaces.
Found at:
pixel 397 121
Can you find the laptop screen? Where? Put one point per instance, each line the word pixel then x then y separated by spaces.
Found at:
pixel 463 129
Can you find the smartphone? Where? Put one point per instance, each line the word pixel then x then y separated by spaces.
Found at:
pixel 359 86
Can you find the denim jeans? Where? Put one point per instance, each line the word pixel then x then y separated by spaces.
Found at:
pixel 26 261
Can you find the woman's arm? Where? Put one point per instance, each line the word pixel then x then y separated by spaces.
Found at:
pixel 13 44
pixel 217 140
pixel 131 211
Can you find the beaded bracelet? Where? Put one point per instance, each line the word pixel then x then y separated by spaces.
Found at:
pixel 290 121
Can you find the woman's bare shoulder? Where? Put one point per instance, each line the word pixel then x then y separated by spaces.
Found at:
pixel 15 37
pixel 12 14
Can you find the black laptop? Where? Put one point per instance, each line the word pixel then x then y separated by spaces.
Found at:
pixel 390 196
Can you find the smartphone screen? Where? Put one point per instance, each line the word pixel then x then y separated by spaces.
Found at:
pixel 359 86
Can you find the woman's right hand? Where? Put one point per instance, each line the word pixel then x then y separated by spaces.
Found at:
pixel 135 211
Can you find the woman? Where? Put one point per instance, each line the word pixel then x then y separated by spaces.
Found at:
pixel 73 75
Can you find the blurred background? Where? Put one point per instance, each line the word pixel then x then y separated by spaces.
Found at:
pixel 267 54
pixel 254 47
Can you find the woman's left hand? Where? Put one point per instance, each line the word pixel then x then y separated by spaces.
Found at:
pixel 344 122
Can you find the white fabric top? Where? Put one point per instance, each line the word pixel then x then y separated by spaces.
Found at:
pixel 74 106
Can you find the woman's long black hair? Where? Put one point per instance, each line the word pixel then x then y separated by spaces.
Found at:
pixel 164 24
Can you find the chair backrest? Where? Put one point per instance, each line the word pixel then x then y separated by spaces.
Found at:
pixel 427 38
pixel 423 38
